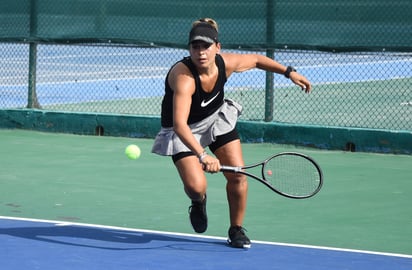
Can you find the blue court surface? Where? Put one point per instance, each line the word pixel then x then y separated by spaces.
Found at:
pixel 63 75
pixel 44 244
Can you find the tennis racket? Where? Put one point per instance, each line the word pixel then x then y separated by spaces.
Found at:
pixel 289 174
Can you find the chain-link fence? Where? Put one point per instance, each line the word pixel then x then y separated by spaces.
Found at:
pixel 111 57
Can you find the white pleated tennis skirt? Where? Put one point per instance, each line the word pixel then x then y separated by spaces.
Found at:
pixel 168 143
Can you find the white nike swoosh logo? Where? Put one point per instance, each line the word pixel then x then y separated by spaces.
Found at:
pixel 205 103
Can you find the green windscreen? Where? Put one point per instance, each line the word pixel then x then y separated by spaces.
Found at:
pixel 299 24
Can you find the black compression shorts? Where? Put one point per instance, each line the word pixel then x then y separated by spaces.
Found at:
pixel 220 141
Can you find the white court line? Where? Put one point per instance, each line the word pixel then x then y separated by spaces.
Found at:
pixel 64 223
pixel 47 78
pixel 337 64
pixel 105 54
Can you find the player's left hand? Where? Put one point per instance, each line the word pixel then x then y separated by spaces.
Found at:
pixel 301 81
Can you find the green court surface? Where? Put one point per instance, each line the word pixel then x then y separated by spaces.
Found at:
pixel 365 202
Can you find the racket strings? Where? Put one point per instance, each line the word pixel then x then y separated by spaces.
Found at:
pixel 293 175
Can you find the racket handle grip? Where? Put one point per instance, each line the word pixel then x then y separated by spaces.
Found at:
pixel 234 169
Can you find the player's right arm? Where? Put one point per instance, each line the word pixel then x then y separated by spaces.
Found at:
pixel 182 82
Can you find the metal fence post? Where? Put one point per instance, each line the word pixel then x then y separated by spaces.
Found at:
pixel 269 87
pixel 32 101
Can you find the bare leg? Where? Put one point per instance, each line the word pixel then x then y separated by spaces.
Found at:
pixel 195 185
pixel 193 177
pixel 237 186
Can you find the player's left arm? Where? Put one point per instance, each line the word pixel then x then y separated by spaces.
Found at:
pixel 242 62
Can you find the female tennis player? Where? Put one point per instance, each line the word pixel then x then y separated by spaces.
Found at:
pixel 196 115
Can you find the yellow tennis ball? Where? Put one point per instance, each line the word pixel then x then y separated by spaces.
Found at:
pixel 132 151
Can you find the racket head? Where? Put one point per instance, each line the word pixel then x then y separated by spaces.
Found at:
pixel 293 175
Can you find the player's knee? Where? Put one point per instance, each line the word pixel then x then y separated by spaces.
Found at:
pixel 195 191
pixel 236 178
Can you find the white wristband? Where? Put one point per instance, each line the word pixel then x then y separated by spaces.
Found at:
pixel 202 156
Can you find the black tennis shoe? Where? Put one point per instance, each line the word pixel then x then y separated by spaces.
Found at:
pixel 237 237
pixel 198 215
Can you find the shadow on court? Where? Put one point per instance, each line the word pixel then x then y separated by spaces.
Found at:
pixel 110 239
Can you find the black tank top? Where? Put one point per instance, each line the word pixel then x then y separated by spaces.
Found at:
pixel 203 104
